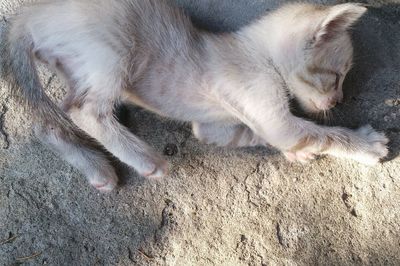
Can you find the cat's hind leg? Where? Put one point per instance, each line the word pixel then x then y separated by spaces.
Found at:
pixel 95 116
pixel 226 134
pixel 86 156
pixel 92 94
pixel 71 143
pixel 95 88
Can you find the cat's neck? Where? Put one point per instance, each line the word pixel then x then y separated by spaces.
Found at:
pixel 263 44
pixel 270 39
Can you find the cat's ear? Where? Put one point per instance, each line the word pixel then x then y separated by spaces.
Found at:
pixel 338 19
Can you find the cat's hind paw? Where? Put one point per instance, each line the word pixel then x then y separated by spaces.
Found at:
pixel 107 186
pixel 375 146
pixel 156 170
pixel 104 183
pixel 300 156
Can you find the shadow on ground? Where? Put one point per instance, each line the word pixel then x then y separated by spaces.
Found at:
pixel 218 206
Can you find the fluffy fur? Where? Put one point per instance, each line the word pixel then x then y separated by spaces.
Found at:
pixel 234 87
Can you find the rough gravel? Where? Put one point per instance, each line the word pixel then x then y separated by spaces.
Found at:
pixel 218 206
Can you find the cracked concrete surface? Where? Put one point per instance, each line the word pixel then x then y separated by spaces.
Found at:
pixel 218 206
pixel 3 133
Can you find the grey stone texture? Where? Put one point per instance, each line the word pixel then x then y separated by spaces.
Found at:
pixel 217 206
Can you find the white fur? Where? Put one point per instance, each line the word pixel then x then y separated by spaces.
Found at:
pixel 234 87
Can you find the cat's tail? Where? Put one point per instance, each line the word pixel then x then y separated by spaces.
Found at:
pixel 19 70
pixel 53 126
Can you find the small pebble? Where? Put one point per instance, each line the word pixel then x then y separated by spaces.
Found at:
pixel 392 102
pixel 170 149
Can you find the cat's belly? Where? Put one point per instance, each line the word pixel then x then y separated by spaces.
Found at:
pixel 186 109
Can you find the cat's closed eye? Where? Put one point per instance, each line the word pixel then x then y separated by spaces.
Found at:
pixel 328 82
pixel 338 76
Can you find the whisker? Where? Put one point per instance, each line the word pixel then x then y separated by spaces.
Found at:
pixel 355 57
pixel 326 120
pixel 320 118
pixel 345 103
pixel 331 118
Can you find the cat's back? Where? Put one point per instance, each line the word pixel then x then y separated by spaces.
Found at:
pixel 159 25
pixel 150 24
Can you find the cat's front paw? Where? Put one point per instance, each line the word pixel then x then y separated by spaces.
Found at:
pixel 299 156
pixel 374 147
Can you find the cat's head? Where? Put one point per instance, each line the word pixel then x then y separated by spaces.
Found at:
pixel 317 52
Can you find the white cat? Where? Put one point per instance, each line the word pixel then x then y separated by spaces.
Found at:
pixel 233 87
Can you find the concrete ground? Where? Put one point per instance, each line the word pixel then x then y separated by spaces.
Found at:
pixel 218 206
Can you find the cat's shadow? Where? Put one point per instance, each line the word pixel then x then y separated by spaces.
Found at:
pixel 372 90
pixel 174 140
pixel 372 94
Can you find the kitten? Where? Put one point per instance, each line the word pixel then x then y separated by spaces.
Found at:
pixel 233 87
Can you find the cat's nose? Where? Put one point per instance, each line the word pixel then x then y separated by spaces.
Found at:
pixel 332 104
